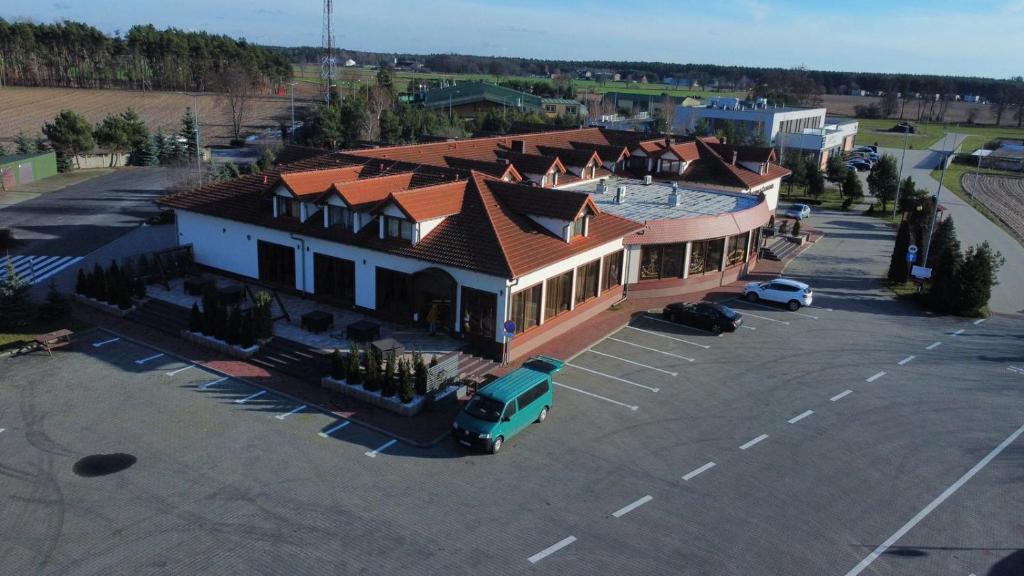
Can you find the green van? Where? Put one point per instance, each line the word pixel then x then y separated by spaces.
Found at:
pixel 505 407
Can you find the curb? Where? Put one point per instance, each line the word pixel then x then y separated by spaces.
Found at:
pixel 315 406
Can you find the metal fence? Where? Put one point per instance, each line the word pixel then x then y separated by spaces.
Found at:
pixel 442 374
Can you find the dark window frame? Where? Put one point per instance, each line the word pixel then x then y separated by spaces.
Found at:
pixel 587 282
pixel 611 271
pixel 519 313
pixel 558 294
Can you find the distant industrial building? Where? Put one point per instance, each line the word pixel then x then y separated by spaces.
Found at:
pixel 471 100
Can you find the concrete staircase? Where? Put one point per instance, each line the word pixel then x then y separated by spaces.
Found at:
pixel 471 368
pixel 780 249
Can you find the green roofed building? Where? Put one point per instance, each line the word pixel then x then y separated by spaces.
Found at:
pixel 20 169
pixel 470 100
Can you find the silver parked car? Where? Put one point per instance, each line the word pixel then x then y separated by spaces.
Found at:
pixel 792 293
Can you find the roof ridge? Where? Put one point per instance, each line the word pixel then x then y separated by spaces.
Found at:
pixel 479 184
pixel 466 140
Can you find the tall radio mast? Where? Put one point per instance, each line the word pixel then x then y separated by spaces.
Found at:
pixel 327 58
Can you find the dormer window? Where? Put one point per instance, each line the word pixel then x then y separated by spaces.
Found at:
pixel 285 207
pixel 339 216
pixel 579 226
pixel 398 228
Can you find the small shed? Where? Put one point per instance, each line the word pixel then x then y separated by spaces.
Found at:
pixel 20 169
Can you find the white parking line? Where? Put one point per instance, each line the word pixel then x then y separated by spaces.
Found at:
pixel 327 433
pixel 373 453
pixel 1016 369
pixel 627 509
pixel 258 361
pixel 144 360
pixel 551 550
pixel 599 397
pixel 905 360
pixel 773 308
pixel 841 395
pixel 698 471
pixel 800 417
pixel 876 376
pixel 752 315
pixel 104 343
pixel 958 332
pixel 247 398
pixel 633 362
pixel 754 442
pixel 933 505
pixel 180 370
pixel 214 383
pixel 610 377
pixel 704 346
pixel 933 345
pixel 649 348
pixel 287 414
pixel 2 430
pixel 670 323
pixel 979 321
pixel 747 327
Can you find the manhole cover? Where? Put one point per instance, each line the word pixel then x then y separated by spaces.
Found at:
pixel 103 464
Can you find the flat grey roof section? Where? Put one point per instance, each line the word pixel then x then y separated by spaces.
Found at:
pixel 650 202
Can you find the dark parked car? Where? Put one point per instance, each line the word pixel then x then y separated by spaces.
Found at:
pixel 704 315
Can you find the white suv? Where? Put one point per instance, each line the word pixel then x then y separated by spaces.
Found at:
pixel 782 290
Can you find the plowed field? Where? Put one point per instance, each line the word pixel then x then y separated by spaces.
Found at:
pixel 1002 195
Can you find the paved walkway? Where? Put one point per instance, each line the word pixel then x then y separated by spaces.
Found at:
pixel 972 228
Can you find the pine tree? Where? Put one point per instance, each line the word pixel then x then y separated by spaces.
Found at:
pixel 975 279
pixel 56 306
pixel 387 387
pixel 234 333
pixel 15 302
pixel 188 134
pixel 81 282
pixel 353 374
pixel 209 311
pixel 372 376
pixel 262 315
pixel 406 388
pixel 945 260
pixel 898 266
pixel 139 289
pixel 195 319
pixel 815 183
pixel 220 323
pixel 851 184
pixel 419 373
pixel 100 288
pixel 23 144
pixel 248 338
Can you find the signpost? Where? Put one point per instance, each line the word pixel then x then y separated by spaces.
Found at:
pixel 912 253
pixel 510 333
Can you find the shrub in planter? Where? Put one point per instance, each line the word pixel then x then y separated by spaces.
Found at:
pixel 123 298
pixel 406 389
pixel 139 290
pixel 248 337
pixel 796 228
pixel 99 283
pixel 81 283
pixel 387 386
pixel 371 380
pixel 195 319
pixel 114 272
pixel 234 335
pixel 433 361
pixel 262 315
pixel 337 365
pixel 220 323
pixel 209 311
pixel 353 374
pixel 56 305
pixel 144 267
pixel 419 371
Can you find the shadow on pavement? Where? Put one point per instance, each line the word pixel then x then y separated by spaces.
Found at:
pixel 1012 565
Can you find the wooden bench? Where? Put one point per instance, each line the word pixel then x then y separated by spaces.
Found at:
pixel 52 340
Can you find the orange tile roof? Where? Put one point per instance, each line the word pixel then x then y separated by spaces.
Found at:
pixel 317 181
pixel 371 191
pixel 430 202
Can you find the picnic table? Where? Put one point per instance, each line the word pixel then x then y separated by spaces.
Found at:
pixel 52 340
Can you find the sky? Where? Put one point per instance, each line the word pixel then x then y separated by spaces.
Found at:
pixel 954 37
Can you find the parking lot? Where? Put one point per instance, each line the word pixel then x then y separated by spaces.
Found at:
pixel 854 437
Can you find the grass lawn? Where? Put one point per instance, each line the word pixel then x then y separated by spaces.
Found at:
pixel 929 135
pixel 18 338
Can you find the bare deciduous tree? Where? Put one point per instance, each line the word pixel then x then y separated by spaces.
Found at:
pixel 237 88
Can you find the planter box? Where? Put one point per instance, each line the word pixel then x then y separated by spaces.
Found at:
pixel 219 345
pixel 105 307
pixel 445 399
pixel 393 404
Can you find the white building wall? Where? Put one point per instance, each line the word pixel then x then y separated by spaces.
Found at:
pixel 632 263
pixel 553 225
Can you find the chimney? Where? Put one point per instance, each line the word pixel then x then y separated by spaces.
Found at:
pixel 620 195
pixel 674 198
pixel 602 187
pixel 519 146
pixel 734 155
pixel 668 140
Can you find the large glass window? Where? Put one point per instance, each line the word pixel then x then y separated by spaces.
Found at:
pixel 559 295
pixel 394 294
pixel 706 255
pixel 586 281
pixel 756 241
pixel 612 271
pixel 715 250
pixel 662 261
pixel 276 263
pixel 334 278
pixel 736 251
pixel 526 308
pixel 479 310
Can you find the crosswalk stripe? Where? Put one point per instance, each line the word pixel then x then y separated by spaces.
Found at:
pixel 36 269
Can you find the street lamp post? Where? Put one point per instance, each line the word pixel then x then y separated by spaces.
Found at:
pixel 899 179
pixel 291 91
pixel 935 209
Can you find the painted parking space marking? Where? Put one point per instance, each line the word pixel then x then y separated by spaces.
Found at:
pixel 754 442
pixel 752 315
pixel 104 343
pixel 934 504
pixel 287 414
pixel 1016 369
pixel 301 353
pixel 180 370
pixel 373 453
pixel 876 376
pixel 678 325
pixel 841 395
pixel 598 396
pixel 933 345
pixel 258 361
pixel 979 321
pixel 142 361
pixel 906 360
pixel 616 378
pixel 214 383
pixel 704 346
pixel 629 508
pixel 634 344
pixel 633 362
pixel 551 550
pixel 748 327
pixel 958 332
pixel 811 316
pixel 2 430
pixel 247 398
pixel 327 433
pixel 698 471
pixel 800 417
pixel 276 359
pixel 292 358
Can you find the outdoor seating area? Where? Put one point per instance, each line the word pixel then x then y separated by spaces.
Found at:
pixel 310 322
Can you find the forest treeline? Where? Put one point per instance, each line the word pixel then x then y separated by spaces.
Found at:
pixel 75 55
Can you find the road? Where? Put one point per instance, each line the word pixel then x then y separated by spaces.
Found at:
pixel 804 443
pixel 972 228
